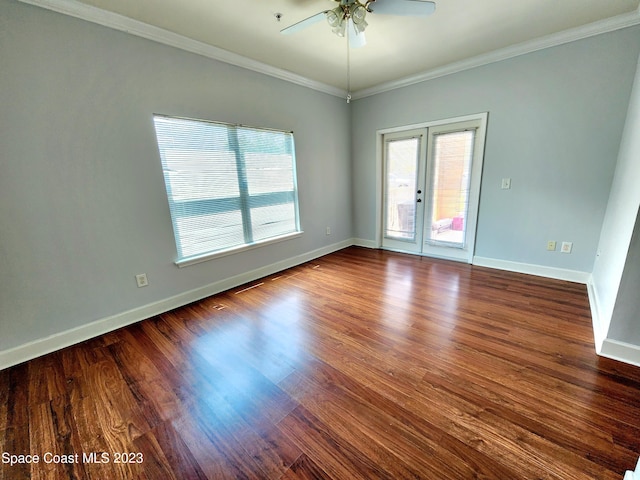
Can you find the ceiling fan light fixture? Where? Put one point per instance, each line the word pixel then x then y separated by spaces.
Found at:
pixel 351 18
pixel 358 14
pixel 357 19
pixel 335 17
pixel 341 29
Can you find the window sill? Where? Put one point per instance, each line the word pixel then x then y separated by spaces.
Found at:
pixel 185 262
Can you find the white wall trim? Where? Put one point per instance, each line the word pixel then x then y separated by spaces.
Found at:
pixel 96 15
pixel 599 333
pixel 585 31
pixel 119 22
pixel 37 348
pixel 361 242
pixel 532 269
pixel 621 351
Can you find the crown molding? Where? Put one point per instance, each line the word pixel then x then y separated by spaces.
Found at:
pixel 74 8
pixel 567 36
pixel 115 21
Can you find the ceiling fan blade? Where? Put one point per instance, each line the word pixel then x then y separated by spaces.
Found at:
pixel 302 24
pixel 408 8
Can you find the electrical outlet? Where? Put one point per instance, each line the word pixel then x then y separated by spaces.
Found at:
pixel 142 280
pixel 566 247
pixel 506 183
pixel 328 230
pixel 551 245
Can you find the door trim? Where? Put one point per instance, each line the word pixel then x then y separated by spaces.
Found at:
pixel 414 245
pixel 480 139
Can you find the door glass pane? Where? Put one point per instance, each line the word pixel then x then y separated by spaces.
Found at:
pixel 450 180
pixel 400 188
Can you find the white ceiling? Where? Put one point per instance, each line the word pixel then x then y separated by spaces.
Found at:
pixel 397 47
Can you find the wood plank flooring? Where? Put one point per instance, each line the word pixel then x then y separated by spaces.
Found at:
pixel 362 364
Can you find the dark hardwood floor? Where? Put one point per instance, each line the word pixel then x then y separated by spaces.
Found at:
pixel 363 364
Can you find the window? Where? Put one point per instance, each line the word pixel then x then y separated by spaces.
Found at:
pixel 229 187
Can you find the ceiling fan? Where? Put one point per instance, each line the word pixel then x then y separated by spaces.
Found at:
pixel 349 16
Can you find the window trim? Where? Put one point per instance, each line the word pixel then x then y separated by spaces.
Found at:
pixel 185 262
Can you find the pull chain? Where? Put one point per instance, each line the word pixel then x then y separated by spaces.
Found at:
pixel 348 66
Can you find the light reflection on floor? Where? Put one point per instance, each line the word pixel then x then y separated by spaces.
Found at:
pixel 398 290
pixel 236 349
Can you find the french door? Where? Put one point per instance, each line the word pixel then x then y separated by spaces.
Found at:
pixel 431 187
pixel 403 188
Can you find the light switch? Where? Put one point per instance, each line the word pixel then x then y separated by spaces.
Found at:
pixel 506 183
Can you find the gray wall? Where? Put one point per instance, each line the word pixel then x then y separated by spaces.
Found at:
pixel 616 271
pixel 555 123
pixel 625 322
pixel 82 201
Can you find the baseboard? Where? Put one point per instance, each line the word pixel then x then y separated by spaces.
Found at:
pixel 361 242
pixel 531 269
pixel 621 351
pixel 608 347
pixel 37 348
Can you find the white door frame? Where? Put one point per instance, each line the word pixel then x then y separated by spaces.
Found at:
pixel 475 178
pixel 410 245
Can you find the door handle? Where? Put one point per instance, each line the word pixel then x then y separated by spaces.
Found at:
pixel 419 200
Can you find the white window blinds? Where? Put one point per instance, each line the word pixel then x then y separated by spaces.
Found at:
pixel 228 186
